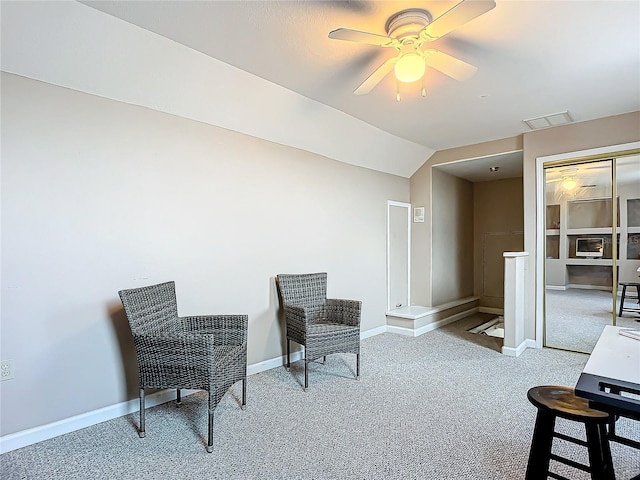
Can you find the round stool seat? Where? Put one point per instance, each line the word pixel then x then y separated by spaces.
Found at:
pixel 564 403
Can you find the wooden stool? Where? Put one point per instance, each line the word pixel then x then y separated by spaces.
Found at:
pixel 624 286
pixel 553 402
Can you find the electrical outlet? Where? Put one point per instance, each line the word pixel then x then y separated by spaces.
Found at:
pixel 6 370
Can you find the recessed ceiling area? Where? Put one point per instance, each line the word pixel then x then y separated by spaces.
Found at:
pixel 479 169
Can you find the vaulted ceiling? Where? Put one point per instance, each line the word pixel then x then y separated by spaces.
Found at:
pixel 533 57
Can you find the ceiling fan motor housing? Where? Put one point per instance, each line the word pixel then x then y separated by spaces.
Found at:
pixel 407 23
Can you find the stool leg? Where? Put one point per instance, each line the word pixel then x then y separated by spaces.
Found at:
pixel 540 454
pixel 624 290
pixel 599 452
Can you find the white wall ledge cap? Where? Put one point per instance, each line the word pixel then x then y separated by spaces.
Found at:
pixel 515 254
pixel 417 311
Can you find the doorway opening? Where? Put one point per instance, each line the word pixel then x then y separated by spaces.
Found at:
pixel 398 255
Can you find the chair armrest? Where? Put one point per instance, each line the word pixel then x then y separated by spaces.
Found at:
pixel 225 329
pixel 295 316
pixel 182 350
pixel 342 311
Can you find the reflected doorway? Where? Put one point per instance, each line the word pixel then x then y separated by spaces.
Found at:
pixel 587 253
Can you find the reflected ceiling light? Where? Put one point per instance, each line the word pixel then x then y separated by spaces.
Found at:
pixel 569 183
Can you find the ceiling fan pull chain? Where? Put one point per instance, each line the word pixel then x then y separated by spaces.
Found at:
pixel 424 89
pixel 397 90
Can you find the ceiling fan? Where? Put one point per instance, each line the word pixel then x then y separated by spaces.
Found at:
pixel 407 32
pixel 572 177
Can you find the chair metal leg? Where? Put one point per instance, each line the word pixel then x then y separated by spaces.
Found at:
pixel 306 370
pixel 178 398
pixel 141 432
pixel 210 434
pixel 357 366
pixel 288 354
pixel 324 359
pixel 244 392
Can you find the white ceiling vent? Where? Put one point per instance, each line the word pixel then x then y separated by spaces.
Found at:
pixel 547 121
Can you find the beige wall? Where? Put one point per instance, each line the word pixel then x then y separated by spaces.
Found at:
pixel 421 195
pixel 99 195
pixel 603 132
pixel 615 130
pixel 452 224
pixel 498 221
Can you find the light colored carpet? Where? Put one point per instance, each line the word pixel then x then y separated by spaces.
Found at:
pixel 575 318
pixel 445 405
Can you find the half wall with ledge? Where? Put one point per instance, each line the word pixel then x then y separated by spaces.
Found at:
pixel 414 320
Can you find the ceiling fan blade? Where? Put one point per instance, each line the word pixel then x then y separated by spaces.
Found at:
pixel 451 66
pixel 455 17
pixel 376 77
pixel 362 37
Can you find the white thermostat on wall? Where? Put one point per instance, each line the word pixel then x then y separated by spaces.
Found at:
pixel 418 215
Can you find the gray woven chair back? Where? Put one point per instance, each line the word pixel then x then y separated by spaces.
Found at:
pixel 152 309
pixel 307 289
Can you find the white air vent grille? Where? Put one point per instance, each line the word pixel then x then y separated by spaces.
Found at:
pixel 547 121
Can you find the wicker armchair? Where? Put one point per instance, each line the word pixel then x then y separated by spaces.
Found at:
pixel 202 352
pixel 323 326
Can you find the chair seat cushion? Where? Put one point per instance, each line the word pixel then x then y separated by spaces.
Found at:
pixel 327 338
pixel 329 328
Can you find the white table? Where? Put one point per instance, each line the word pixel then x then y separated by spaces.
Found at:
pixel 615 356
pixel 611 378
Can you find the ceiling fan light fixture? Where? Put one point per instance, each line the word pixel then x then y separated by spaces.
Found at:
pixel 410 67
pixel 407 32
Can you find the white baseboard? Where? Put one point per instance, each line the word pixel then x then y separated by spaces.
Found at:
pixel 530 343
pixel 446 321
pixel 373 332
pixel 45 432
pixel 411 332
pixel 273 363
pixel 589 287
pixel 514 352
pixel 71 424
pixel 494 311
pixel 556 287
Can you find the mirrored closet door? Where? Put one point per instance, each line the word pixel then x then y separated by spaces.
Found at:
pixel 588 253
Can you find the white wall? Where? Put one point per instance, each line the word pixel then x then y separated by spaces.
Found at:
pixel 99 195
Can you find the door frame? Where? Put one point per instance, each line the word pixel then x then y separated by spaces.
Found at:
pixel 393 203
pixel 577 156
